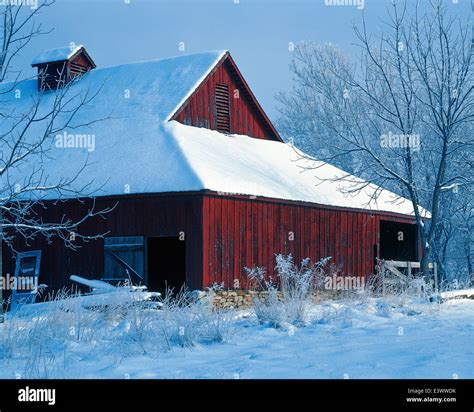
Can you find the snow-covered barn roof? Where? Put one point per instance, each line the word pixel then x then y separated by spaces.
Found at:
pixel 57 55
pixel 138 150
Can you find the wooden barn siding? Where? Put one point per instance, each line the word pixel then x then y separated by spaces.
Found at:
pixel 240 232
pixel 224 234
pixel 81 60
pixel 140 215
pixel 244 117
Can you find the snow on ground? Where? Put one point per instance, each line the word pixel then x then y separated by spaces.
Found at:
pixel 372 339
pixel 458 293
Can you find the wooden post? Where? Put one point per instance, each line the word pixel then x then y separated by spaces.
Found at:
pixel 435 272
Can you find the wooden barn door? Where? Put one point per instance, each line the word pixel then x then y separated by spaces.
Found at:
pixel 124 259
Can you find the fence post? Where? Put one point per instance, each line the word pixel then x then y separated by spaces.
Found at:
pixel 382 268
pixel 435 272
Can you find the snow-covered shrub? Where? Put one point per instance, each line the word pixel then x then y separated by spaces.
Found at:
pixel 132 327
pixel 38 338
pixel 41 338
pixel 176 322
pixel 296 284
pixel 187 321
pixel 419 288
pixel 322 270
pixel 449 285
pixel 10 330
pixel 267 306
pixel 216 322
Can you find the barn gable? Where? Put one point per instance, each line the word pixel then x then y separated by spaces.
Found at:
pixel 224 102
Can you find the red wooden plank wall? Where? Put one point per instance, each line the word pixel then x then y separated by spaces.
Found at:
pixel 244 116
pixel 240 232
pixel 134 215
pixel 224 234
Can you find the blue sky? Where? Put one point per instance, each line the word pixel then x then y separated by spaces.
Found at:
pixel 256 32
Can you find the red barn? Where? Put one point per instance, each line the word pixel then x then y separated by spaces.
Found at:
pixel 203 184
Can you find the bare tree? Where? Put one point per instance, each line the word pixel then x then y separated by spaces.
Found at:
pixel 467 235
pixel 398 117
pixel 26 139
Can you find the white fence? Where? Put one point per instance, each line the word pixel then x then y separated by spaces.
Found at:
pixel 396 275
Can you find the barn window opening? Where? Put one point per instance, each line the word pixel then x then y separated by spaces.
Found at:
pixel 222 108
pixel 166 259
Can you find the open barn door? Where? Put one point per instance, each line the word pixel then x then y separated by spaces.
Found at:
pixel 398 241
pixel 166 263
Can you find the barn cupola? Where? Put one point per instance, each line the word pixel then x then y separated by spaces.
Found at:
pixel 58 67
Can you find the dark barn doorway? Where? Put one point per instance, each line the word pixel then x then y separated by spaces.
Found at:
pixel 166 259
pixel 398 241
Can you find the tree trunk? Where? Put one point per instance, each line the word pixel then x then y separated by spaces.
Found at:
pixel 467 249
pixel 425 253
pixel 1 269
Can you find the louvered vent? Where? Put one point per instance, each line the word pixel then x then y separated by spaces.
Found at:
pixel 77 70
pixel 222 108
